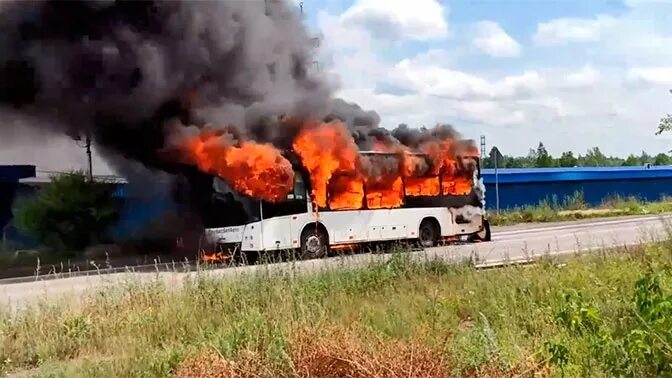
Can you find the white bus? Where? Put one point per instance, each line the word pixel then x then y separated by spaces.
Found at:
pixel 294 224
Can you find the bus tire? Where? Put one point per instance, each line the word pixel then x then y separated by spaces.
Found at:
pixel 314 243
pixel 428 233
pixel 482 236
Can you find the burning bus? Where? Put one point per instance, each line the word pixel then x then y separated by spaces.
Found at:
pixel 339 196
pixel 222 90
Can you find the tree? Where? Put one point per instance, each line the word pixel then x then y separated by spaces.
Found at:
pixel 631 161
pixel 514 162
pixel 543 158
pixel 662 159
pixel 70 214
pixel 665 124
pixel 568 160
pixel 595 158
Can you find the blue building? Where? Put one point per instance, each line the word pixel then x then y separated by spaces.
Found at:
pixel 10 188
pixel 520 187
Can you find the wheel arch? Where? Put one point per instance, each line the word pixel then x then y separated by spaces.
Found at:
pixel 314 225
pixel 432 219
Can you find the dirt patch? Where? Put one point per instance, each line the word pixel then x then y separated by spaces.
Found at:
pixel 341 354
pixel 210 364
pixel 320 354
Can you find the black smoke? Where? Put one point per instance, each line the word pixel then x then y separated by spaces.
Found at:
pixel 121 69
pixel 127 72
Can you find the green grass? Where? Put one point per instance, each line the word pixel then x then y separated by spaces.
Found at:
pixel 574 208
pixel 596 315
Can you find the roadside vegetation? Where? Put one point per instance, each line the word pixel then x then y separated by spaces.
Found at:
pixel 592 315
pixel 69 214
pixel 575 207
pixel 539 157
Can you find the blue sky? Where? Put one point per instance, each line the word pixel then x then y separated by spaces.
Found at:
pixel 573 74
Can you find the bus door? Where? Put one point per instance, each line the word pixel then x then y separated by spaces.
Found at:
pixel 297 219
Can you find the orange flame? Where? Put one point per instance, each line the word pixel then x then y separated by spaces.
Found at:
pixel 257 170
pixel 333 161
pixel 385 195
pixel 214 257
pixel 346 193
pixel 340 177
pixel 421 186
pixel 325 150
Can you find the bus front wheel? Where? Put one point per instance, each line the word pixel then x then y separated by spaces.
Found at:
pixel 314 243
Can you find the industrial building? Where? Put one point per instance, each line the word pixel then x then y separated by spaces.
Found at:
pixel 10 188
pixel 522 186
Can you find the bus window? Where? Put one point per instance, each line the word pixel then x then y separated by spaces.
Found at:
pixel 294 204
pixel 421 186
pixel 299 188
pixel 345 193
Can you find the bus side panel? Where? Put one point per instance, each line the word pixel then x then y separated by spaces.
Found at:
pixel 474 225
pixel 345 226
pixel 277 233
pixel 383 224
pixel 355 226
pixel 342 226
pixel 252 237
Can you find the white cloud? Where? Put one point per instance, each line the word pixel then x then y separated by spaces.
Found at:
pixel 336 36
pixel 564 30
pixel 659 76
pixel 490 38
pixel 436 80
pixel 398 19
pixel 586 77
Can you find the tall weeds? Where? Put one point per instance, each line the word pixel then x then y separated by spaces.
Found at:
pixel 599 315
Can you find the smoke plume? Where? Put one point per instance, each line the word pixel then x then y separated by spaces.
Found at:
pixel 225 83
pixel 122 69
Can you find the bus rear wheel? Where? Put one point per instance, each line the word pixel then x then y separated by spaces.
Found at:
pixel 483 235
pixel 428 233
pixel 314 243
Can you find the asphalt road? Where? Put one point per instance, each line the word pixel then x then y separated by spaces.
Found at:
pixel 515 244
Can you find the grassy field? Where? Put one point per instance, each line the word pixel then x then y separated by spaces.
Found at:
pixel 574 208
pixel 596 315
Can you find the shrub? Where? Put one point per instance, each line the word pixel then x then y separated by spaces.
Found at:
pixel 71 213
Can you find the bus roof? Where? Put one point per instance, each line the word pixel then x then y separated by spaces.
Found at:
pixel 389 153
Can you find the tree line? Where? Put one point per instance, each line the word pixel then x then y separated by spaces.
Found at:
pixel 541 158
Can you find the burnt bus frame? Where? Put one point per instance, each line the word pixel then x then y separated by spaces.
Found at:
pixel 440 200
pixel 201 183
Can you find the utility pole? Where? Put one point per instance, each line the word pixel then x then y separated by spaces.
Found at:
pixel 77 137
pixel 88 154
pixel 482 150
pixel 496 182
